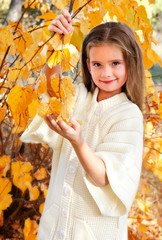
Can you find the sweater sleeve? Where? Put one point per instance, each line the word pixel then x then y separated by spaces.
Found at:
pixel 121 151
pixel 39 132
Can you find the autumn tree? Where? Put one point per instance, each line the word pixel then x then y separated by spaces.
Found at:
pixel 23 54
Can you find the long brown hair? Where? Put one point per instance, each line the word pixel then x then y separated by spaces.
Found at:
pixel 120 35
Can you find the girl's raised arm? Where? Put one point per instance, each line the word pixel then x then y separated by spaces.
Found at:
pixel 60 25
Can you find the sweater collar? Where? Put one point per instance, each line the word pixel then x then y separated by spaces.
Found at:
pixel 109 102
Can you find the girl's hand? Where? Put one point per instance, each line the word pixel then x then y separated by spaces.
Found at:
pixel 62 23
pixel 72 133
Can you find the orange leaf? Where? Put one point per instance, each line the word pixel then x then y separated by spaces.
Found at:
pixel 42 88
pixel 4 165
pixel 33 192
pixel 1 219
pixel 48 16
pixel 33 108
pixel 18 100
pixel 30 229
pixel 2 113
pixel 41 207
pixel 63 87
pixel 21 174
pixel 40 174
pixel 5 197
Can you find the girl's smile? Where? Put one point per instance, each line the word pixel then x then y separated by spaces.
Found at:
pixel 108 69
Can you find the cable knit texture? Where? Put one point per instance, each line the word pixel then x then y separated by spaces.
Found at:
pixel 76 209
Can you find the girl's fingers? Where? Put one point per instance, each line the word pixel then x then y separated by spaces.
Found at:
pixel 62 24
pixel 67 15
pixel 74 124
pixel 52 123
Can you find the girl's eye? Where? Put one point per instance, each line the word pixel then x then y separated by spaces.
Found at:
pixel 97 64
pixel 116 63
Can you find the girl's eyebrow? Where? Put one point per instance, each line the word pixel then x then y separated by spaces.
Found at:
pixel 112 60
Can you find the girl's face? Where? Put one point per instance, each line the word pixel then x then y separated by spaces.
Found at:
pixel 108 69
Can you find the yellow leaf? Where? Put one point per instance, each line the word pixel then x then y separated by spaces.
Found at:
pixel 45 193
pixel 18 129
pixel 41 207
pixel 30 229
pixel 48 16
pixel 43 109
pixel 21 174
pixel 33 108
pixel 77 36
pixel 141 12
pixel 42 88
pixel 54 58
pixel 67 107
pixel 59 40
pixel 4 165
pixel 18 100
pixel 62 87
pixel 142 205
pixel 60 4
pixel 5 197
pixel 33 192
pixel 53 107
pixel 40 174
pixel 142 228
pixel 158 173
pixel 30 52
pixel 1 220
pixel 74 56
pixel 2 113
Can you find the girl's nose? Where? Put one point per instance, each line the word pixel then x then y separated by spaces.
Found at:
pixel 107 71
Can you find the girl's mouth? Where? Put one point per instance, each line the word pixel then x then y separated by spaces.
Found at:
pixel 109 81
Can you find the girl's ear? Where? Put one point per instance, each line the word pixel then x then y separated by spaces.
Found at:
pixel 88 65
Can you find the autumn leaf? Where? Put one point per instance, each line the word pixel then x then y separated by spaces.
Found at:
pixel 33 106
pixel 59 40
pixel 63 87
pixel 42 87
pixel 67 108
pixel 21 174
pixel 40 174
pixel 54 106
pixel 48 16
pixel 59 57
pixel 1 219
pixel 4 165
pixel 30 229
pixel 2 113
pixel 5 197
pixel 41 207
pixel 18 100
pixel 33 192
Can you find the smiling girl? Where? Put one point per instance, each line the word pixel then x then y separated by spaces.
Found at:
pixel 95 167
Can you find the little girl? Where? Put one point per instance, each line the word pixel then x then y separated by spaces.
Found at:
pixel 95 167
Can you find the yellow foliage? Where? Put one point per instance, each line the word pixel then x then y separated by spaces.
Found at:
pixel 5 197
pixel 21 174
pixel 18 100
pixel 53 107
pixel 33 191
pixel 40 174
pixel 2 113
pixel 4 165
pixel 33 106
pixel 41 207
pixel 30 229
pixel 62 87
pixel 67 108
pixel 42 88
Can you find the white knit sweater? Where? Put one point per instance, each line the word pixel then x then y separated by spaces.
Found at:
pixel 75 209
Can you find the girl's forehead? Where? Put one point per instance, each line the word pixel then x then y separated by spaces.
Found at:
pixel 106 49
